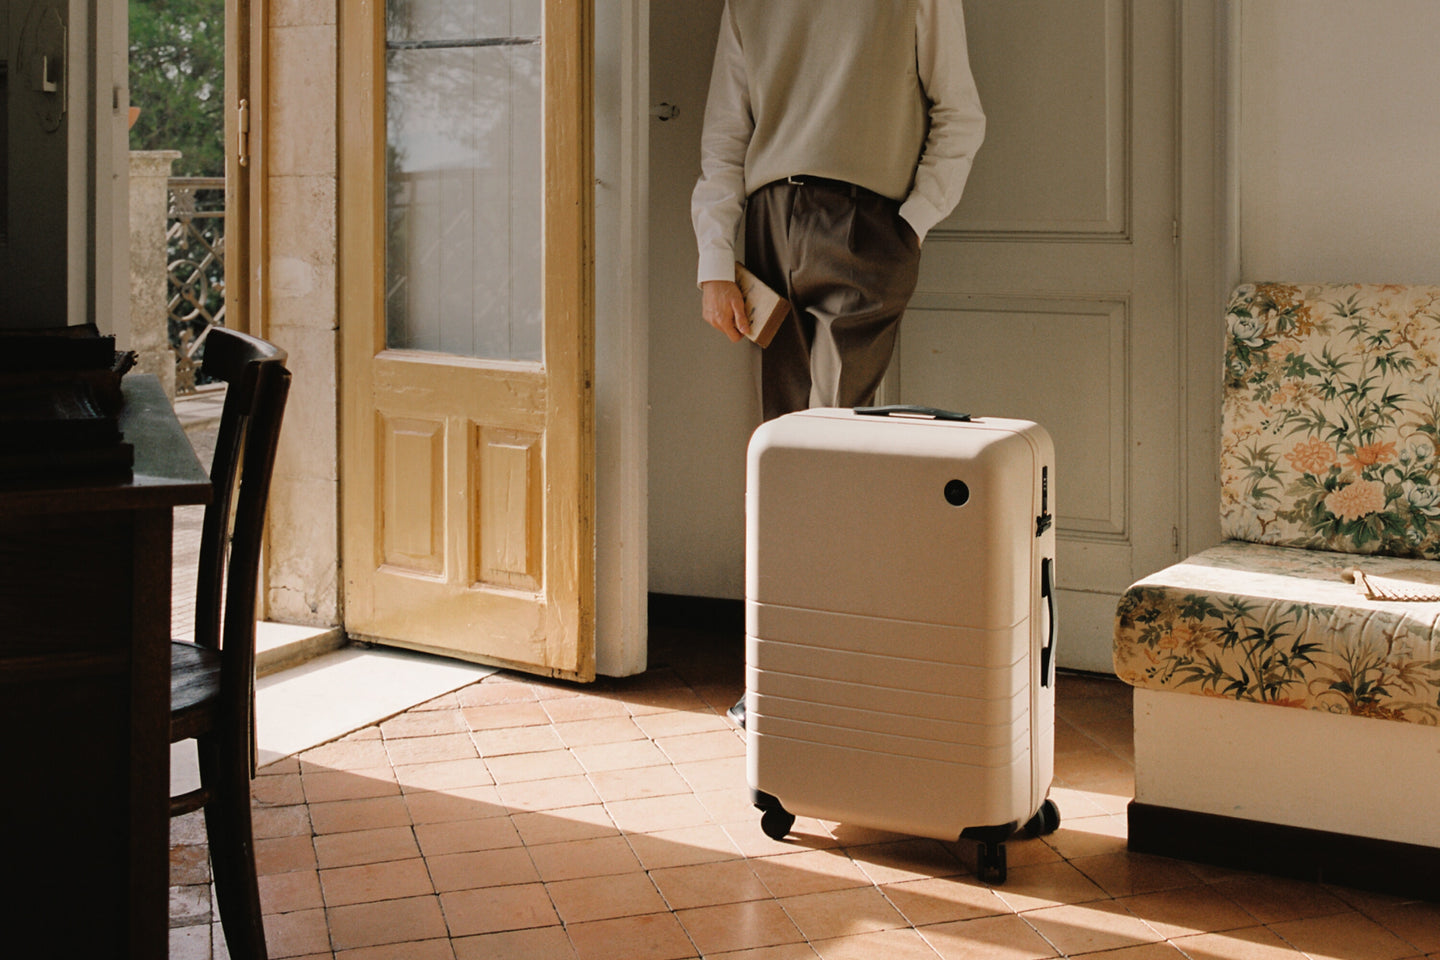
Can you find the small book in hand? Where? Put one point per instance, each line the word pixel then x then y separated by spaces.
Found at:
pixel 765 308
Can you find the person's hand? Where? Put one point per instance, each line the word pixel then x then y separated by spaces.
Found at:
pixel 724 308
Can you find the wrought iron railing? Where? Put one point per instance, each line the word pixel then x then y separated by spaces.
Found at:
pixel 195 263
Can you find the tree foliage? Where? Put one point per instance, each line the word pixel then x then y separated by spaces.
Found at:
pixel 177 76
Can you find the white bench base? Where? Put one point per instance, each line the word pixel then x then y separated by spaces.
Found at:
pixel 1303 768
pixel 1315 796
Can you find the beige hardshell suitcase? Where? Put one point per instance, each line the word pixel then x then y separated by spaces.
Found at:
pixel 900 624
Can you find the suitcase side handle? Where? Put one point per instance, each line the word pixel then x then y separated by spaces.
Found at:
pixel 1047 593
pixel 912 410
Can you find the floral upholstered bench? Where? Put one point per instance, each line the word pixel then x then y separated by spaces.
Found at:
pixel 1287 716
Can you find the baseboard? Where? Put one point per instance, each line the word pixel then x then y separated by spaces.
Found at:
pixel 677 610
pixel 1387 866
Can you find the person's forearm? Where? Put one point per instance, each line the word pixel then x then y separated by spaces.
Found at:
pixel 718 202
pixel 957 121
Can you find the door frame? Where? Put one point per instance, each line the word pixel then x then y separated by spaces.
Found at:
pixel 245 240
pixel 1206 269
pixel 246 196
pixel 622 336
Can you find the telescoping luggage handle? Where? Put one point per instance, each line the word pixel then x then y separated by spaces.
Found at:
pixel 911 410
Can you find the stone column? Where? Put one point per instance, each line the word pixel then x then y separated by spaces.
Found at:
pixel 149 292
pixel 297 287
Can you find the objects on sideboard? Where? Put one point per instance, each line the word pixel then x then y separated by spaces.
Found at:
pixel 60 406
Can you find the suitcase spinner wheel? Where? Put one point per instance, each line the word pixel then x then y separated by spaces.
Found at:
pixel 990 866
pixel 775 820
pixel 1045 821
pixel 990 863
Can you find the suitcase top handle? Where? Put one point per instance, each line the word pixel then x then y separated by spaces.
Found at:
pixel 911 410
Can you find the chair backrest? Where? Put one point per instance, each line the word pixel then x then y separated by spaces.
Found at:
pixel 1330 435
pixel 257 384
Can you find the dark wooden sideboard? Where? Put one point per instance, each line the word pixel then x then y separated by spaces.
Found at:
pixel 85 694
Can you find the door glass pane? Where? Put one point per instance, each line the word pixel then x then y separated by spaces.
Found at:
pixel 463 177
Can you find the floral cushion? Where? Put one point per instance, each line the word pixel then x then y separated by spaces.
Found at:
pixel 1331 421
pixel 1282 626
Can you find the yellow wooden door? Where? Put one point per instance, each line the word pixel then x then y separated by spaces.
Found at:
pixel 466 277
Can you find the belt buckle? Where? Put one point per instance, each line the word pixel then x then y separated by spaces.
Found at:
pixel 838 186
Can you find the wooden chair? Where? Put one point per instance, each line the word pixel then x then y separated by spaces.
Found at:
pixel 212 681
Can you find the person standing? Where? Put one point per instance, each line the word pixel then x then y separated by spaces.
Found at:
pixel 840 132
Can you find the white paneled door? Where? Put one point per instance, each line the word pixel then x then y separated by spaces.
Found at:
pixel 1050 294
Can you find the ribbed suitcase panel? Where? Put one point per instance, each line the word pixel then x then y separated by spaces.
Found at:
pixel 890 672
pixel 926 798
pixel 923 745
pixel 807 694
pixel 934 642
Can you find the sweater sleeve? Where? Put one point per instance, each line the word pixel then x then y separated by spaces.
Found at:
pixel 957 122
pixel 718 201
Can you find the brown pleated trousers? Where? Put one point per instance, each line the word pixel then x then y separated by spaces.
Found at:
pixel 848 263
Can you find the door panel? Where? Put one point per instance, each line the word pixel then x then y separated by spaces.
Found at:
pixel 507 489
pixel 1053 81
pixel 412 507
pixel 1076 348
pixel 1050 293
pixel 467 312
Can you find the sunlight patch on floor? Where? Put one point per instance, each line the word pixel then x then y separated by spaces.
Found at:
pixel 332 695
pixel 342 691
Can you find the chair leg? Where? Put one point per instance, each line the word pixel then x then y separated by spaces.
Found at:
pixel 232 848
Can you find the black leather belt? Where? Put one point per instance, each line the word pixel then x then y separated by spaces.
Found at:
pixel 826 183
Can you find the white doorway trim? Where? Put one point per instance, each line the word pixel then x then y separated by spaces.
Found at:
pixel 622 318
pixel 1203 284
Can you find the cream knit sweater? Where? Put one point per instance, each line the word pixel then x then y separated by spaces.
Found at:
pixel 857 112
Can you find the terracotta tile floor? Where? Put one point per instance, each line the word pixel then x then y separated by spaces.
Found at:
pixel 519 819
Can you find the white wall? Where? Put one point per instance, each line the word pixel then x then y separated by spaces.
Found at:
pixel 703 398
pixel 1336 140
